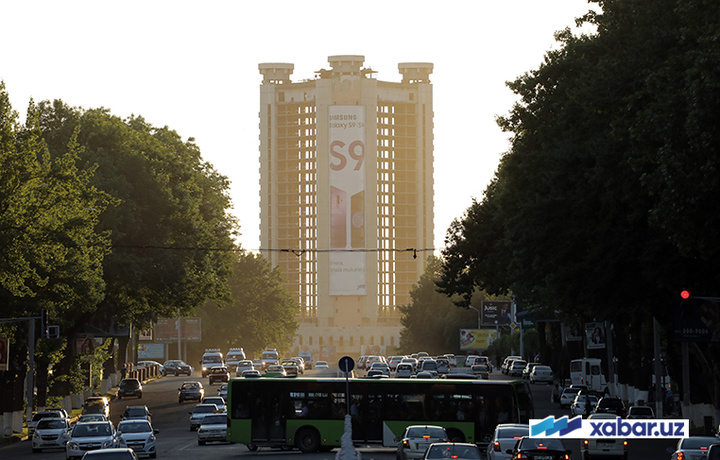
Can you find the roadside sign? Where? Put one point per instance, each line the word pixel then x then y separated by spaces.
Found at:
pixel 346 364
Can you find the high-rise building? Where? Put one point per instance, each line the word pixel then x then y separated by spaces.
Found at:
pixel 346 193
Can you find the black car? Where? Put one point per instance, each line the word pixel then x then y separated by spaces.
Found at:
pixel 130 387
pixel 177 367
pixel 609 405
pixel 191 391
pixel 540 448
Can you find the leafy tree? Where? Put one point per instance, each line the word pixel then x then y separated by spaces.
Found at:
pixel 170 229
pixel 604 206
pixel 261 313
pixel 51 250
pixel 431 320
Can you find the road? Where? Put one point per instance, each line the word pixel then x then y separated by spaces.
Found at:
pixel 176 441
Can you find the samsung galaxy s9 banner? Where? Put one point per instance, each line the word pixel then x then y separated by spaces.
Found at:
pixel 347 199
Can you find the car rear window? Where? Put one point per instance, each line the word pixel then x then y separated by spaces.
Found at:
pixel 512 433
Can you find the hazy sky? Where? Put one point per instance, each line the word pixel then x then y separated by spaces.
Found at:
pixel 193 66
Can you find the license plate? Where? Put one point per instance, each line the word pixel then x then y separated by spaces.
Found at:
pixel 606 445
pixel 543 457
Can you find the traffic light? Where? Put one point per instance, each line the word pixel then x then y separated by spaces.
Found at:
pixel 43 323
pixel 685 295
pixel 53 332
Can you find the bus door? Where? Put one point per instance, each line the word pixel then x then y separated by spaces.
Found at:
pixel 267 410
pixel 366 412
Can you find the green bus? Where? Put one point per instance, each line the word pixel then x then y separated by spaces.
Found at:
pixel 309 413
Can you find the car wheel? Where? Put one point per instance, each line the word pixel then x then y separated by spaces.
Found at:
pixel 176 373
pixel 119 397
pixel 140 396
pixel 201 443
pixel 153 455
pixel 308 440
pixel 252 447
pixel 35 451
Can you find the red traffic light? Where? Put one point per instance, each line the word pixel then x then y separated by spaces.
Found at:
pixel 685 294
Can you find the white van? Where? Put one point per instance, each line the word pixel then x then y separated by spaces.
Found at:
pixel 588 372
pixel 211 358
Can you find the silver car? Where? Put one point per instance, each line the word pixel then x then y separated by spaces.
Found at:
pixel 89 436
pixel 50 433
pixel 212 428
pixel 139 436
pixel 199 412
pixel 504 438
pixel 603 447
pixel 417 438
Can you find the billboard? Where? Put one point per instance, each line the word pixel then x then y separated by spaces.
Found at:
pixel 166 329
pixel 497 313
pixel 595 335
pixel 477 339
pixel 151 350
pixel 347 199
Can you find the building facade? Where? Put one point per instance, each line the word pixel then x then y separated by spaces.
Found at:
pixel 346 194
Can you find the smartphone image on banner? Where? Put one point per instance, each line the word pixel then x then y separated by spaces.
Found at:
pixel 338 218
pixel 357 218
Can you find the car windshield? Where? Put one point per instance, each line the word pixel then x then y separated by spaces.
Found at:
pixel 697 442
pixel 204 409
pixel 130 383
pixel 134 427
pixel 91 429
pixel 50 424
pixel 218 370
pixel 215 420
pixel 190 386
pixel 452 451
pixel 541 443
pixel 512 433
pixel 135 412
pixel 42 415
pixel 419 432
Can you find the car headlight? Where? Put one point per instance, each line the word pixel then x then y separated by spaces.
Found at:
pixel 108 443
pixel 72 445
pixel 151 438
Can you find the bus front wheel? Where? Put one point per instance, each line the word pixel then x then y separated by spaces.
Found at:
pixel 308 440
pixel 252 447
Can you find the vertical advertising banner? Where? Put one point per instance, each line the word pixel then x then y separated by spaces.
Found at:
pixel 496 313
pixel 347 199
pixel 595 335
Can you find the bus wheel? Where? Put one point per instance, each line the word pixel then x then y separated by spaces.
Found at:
pixel 252 447
pixel 308 440
pixel 455 436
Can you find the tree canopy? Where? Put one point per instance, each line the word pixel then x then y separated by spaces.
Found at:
pixel 603 208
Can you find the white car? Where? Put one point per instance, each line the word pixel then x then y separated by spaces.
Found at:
pixel 139 436
pixel 243 365
pixel 579 406
pixel 542 373
pixel 212 428
pixel 41 415
pixel 504 438
pixel 89 436
pixel 604 447
pixel 568 396
pixel 322 365
pixel 219 401
pixel 50 433
pixel 199 412
pixel 404 370
pixel 416 439
pixel 379 366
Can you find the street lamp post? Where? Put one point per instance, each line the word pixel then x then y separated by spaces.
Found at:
pixel 479 318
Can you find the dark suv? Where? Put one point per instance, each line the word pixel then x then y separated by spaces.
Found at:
pixel 177 367
pixel 609 405
pixel 129 387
